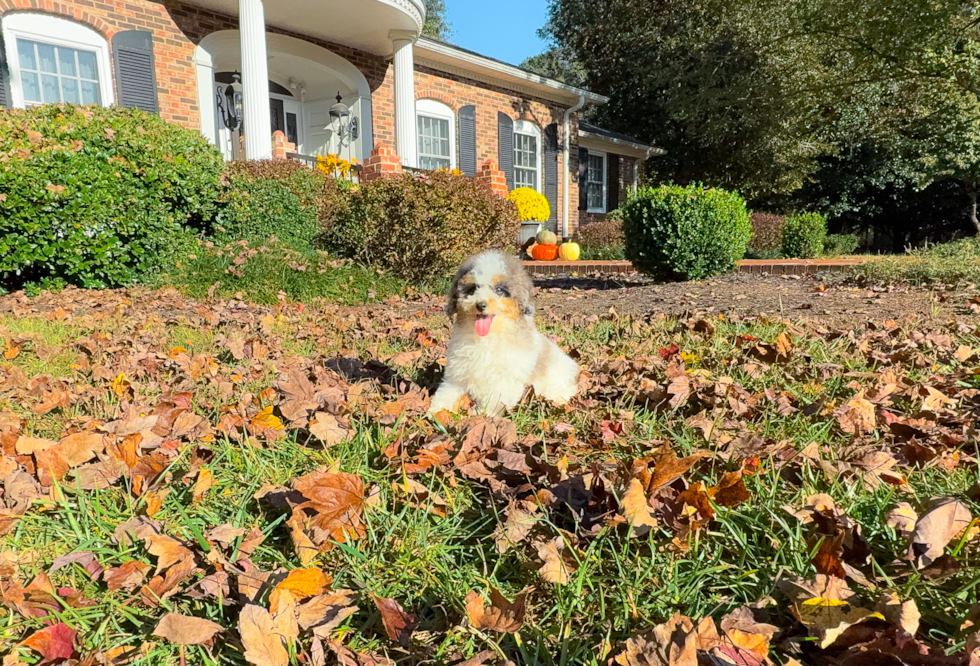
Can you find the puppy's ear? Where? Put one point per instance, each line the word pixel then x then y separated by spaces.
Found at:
pixel 454 294
pixel 521 286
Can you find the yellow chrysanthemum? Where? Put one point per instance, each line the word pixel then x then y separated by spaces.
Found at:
pixel 531 204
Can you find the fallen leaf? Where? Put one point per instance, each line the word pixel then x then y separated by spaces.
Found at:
pixel 83 558
pixel 822 605
pixel 53 643
pixel 501 615
pixel 300 583
pixel 857 415
pixel 936 528
pixel 636 510
pixel 204 483
pixel 186 630
pixel 556 569
pixel 904 614
pixel 398 624
pixel 127 576
pixel 337 501
pixel 673 643
pixel 263 646
pixel 326 428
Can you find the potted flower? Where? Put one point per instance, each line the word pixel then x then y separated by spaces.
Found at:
pixel 532 210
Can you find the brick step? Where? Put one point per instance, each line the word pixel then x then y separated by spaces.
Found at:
pixel 752 266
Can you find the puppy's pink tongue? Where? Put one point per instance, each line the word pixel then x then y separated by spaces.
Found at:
pixel 483 323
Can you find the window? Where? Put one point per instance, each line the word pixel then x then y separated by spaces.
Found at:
pixel 72 67
pixel 596 183
pixel 527 155
pixel 51 74
pixel 436 135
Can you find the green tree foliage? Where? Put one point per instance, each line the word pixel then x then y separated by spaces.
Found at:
pixel 759 94
pixel 436 26
pixel 556 64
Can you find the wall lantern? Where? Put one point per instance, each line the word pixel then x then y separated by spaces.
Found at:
pixel 344 124
pixel 230 105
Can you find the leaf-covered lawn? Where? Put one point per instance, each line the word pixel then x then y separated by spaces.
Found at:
pixel 217 482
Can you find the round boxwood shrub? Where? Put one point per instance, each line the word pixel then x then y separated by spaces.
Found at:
pixel 420 226
pixel 685 233
pixel 99 197
pixel 804 235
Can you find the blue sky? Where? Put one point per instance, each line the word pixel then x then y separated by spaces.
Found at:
pixel 502 29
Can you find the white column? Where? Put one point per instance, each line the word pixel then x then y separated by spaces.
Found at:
pixel 406 144
pixel 255 80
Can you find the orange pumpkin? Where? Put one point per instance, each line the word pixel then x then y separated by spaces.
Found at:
pixel 544 252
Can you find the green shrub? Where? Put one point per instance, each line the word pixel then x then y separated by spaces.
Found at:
pixel 602 241
pixel 837 244
pixel 767 232
pixel 99 197
pixel 420 226
pixel 803 235
pixel 686 233
pixel 278 198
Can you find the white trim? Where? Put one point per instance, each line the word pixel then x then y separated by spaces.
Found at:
pixel 446 57
pixel 527 128
pixel 432 108
pixel 618 146
pixel 42 28
pixel 605 181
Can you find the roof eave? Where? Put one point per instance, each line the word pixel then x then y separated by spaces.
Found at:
pixel 503 72
pixel 650 151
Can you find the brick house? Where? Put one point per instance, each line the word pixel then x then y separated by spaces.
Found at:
pixel 292 63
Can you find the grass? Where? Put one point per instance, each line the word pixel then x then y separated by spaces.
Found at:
pixel 429 562
pixel 269 272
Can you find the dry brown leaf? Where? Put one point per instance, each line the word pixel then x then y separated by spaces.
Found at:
pixel 823 606
pixel 186 630
pixel 263 645
pixel 936 528
pixel 300 583
pixel 501 615
pixel 904 614
pixel 337 503
pixel 127 576
pixel 203 484
pixel 556 569
pixel 636 510
pixel 673 643
pixel 730 491
pixel 54 643
pixel 325 612
pixel 857 415
pixel 398 624
pixel 326 428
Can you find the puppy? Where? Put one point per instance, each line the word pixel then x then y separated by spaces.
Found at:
pixel 495 350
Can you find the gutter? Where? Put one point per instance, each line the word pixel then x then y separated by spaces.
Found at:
pixel 566 162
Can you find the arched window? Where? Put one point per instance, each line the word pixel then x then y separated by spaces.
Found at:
pixel 527 155
pixel 54 60
pixel 436 135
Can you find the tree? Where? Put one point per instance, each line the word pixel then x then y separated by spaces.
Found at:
pixel 558 65
pixel 753 94
pixel 436 26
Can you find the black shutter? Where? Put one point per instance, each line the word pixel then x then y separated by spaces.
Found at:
pixel 551 172
pixel 5 101
pixel 467 139
pixel 136 81
pixel 612 182
pixel 583 180
pixel 505 146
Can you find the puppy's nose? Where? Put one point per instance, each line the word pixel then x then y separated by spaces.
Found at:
pixel 481 306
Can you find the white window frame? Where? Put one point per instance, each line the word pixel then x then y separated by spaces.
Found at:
pixel 527 128
pixel 43 28
pixel 605 180
pixel 431 108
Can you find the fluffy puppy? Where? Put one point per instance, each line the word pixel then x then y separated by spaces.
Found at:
pixel 495 350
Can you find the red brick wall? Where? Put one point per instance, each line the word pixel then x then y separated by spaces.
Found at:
pixel 174 54
pixel 457 91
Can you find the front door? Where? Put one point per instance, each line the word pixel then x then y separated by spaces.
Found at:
pixel 285 115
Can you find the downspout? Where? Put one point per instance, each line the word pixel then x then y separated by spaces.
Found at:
pixel 566 162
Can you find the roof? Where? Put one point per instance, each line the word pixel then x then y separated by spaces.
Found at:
pixel 448 57
pixel 588 129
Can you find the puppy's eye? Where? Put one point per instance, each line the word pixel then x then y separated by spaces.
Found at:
pixel 467 289
pixel 502 290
